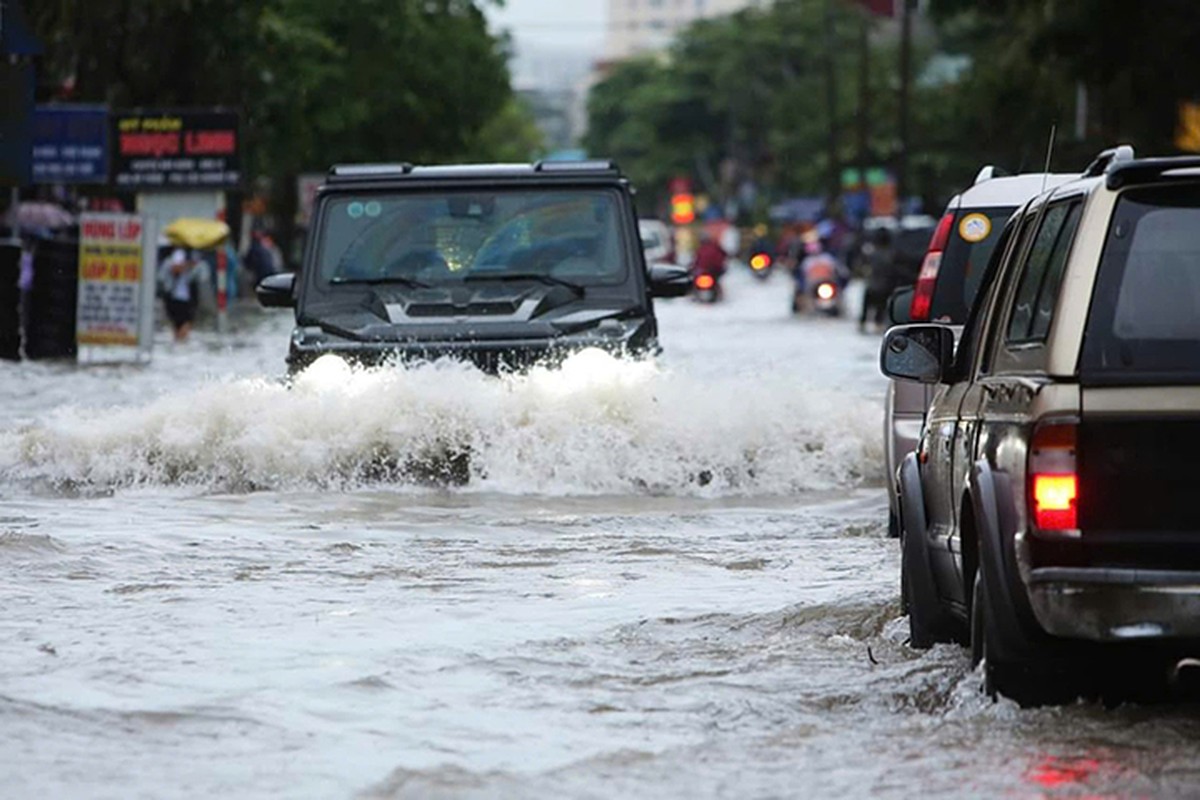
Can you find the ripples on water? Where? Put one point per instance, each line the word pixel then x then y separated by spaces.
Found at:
pixel 597 425
pixel 649 581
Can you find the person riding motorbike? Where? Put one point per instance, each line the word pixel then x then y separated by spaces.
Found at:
pixel 710 261
pixel 818 266
pixel 710 258
pixel 762 253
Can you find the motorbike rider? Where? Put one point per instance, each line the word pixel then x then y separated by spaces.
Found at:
pixel 710 260
pixel 818 266
pixel 710 257
pixel 761 243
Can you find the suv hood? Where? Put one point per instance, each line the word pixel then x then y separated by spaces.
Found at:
pixel 461 313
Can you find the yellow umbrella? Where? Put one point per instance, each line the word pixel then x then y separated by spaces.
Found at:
pixel 196 232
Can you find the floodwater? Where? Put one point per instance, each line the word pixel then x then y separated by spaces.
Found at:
pixel 660 579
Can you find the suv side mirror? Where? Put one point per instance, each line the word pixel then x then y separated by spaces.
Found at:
pixel 900 305
pixel 669 280
pixel 275 291
pixel 922 353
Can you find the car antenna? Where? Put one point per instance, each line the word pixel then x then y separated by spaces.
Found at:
pixel 1049 154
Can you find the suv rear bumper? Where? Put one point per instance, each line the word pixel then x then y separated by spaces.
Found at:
pixel 1110 605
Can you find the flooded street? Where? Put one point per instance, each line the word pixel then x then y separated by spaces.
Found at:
pixel 666 579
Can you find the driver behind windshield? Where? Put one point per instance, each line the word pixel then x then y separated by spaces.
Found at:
pixel 426 239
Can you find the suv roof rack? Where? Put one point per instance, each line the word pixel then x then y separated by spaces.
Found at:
pixel 360 171
pixel 344 173
pixel 1112 156
pixel 987 173
pixel 1150 170
pixel 591 165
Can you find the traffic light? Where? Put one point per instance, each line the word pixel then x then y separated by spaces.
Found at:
pixel 683 208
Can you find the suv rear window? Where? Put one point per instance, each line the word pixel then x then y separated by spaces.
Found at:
pixel 1144 323
pixel 972 240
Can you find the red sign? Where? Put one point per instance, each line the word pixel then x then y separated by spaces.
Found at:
pixel 175 150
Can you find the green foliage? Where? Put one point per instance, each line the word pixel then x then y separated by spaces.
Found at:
pixel 746 95
pixel 318 81
pixel 743 96
pixel 512 135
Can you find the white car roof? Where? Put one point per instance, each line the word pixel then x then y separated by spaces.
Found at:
pixel 1011 190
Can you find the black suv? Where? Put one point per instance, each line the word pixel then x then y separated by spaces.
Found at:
pixel 502 265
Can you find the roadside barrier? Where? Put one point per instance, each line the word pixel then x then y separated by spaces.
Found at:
pixel 10 303
pixel 50 326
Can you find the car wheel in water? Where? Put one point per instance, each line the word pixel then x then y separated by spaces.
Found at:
pixel 1027 679
pixel 928 621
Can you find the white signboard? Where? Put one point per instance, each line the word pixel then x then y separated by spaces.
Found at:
pixel 110 280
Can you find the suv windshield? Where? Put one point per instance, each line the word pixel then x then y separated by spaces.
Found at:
pixel 427 238
pixel 1144 323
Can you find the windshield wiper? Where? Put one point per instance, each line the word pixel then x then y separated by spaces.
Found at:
pixel 411 283
pixel 525 276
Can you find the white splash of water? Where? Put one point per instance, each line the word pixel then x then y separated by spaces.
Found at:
pixel 595 425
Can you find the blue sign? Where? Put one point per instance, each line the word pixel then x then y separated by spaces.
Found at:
pixel 70 144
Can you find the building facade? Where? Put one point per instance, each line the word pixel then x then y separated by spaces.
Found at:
pixel 639 26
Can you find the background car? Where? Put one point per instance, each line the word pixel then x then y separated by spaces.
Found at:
pixel 656 240
pixel 946 286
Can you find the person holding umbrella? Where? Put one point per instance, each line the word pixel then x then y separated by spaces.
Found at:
pixel 177 281
pixel 180 273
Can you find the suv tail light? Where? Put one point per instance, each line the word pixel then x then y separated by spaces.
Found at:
pixel 1053 482
pixel 922 302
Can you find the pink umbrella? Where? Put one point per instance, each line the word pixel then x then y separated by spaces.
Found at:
pixel 32 215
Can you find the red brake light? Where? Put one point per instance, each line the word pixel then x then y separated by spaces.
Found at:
pixel 1054 483
pixel 1054 502
pixel 760 261
pixel 705 281
pixel 941 234
pixel 922 302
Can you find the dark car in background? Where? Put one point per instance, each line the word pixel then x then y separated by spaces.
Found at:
pixel 503 266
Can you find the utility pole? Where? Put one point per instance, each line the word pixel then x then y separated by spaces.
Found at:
pixel 835 170
pixel 905 86
pixel 864 95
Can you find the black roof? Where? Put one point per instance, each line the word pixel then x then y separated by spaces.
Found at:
pixel 1151 170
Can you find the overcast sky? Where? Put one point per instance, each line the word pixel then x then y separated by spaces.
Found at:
pixel 560 24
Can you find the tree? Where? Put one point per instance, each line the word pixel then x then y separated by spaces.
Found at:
pixel 511 135
pixel 746 96
pixel 317 81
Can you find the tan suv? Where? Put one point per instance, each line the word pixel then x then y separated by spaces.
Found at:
pixel 1050 513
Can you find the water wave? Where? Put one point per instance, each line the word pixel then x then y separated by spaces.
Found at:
pixel 595 425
